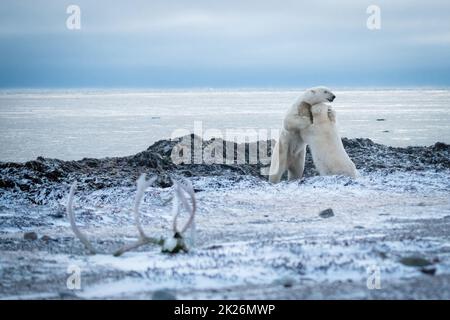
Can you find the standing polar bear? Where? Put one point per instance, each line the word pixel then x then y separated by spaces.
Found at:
pixel 326 146
pixel 300 129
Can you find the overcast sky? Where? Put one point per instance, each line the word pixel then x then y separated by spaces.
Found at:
pixel 224 43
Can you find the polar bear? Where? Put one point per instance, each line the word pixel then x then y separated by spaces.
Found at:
pixel 290 150
pixel 326 146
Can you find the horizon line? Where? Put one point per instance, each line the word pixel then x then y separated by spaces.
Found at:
pixel 231 88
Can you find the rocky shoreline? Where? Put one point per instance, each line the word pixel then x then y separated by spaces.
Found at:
pixel 43 173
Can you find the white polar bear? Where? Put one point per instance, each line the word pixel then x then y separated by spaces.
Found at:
pixel 326 146
pixel 290 150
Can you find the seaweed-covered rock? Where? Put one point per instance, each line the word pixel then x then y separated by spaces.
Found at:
pixel 191 156
pixel 30 236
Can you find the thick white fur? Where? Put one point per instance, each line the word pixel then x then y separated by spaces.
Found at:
pixel 326 145
pixel 290 150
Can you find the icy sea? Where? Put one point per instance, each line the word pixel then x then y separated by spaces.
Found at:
pixel 71 125
pixel 388 235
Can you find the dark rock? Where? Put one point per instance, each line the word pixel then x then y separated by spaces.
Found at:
pixel 36 165
pixel 24 187
pixel 6 184
pixel 47 238
pixel 415 262
pixel 428 270
pixel 68 295
pixel 186 173
pixel 163 295
pixel 214 247
pixel 30 236
pixel 440 146
pixel 58 215
pixel 54 175
pixel 327 213
pixel 286 282
pixel 381 119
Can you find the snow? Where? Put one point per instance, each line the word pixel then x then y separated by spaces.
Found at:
pixel 250 234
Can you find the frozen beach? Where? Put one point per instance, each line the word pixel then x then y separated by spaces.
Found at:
pixel 253 240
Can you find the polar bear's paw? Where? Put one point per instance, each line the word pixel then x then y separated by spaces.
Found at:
pixel 331 114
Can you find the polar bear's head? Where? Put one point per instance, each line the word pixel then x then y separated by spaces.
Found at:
pixel 317 95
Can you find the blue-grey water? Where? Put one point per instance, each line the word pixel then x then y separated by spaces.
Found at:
pixel 74 124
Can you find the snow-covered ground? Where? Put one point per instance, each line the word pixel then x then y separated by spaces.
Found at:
pixel 252 240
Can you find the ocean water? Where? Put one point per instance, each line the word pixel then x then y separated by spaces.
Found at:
pixel 75 124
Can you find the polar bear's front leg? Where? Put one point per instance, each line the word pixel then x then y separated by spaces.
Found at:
pixel 332 115
pixel 278 163
pixel 297 165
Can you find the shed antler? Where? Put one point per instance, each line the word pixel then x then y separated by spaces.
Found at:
pixel 172 244
pixel 142 184
pixel 181 189
pixel 73 225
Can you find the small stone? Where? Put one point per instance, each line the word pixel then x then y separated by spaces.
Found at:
pixel 286 282
pixel 67 295
pixel 46 238
pixel 30 236
pixel 428 270
pixel 57 215
pixel 421 204
pixel 214 247
pixel 381 119
pixel 163 295
pixel 327 213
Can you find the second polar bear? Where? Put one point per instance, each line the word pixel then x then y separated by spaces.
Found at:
pixel 322 136
pixel 290 150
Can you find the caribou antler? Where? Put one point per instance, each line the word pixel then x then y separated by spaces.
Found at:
pixel 180 190
pixel 176 244
pixel 172 244
pixel 73 225
pixel 142 184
